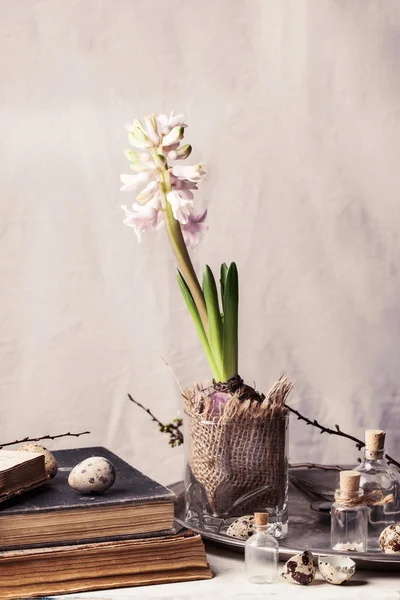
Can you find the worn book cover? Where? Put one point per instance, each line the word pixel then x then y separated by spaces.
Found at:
pixel 103 565
pixel 55 513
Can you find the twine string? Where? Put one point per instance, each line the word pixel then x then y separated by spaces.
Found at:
pixel 372 498
pixel 378 498
pixel 348 500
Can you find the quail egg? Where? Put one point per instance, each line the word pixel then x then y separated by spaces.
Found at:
pixel 93 475
pixel 50 463
pixel 336 569
pixel 241 528
pixel 300 569
pixel 389 540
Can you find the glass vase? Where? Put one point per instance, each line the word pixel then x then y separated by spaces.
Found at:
pixel 235 467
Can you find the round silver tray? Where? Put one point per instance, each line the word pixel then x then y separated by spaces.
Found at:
pixel 308 528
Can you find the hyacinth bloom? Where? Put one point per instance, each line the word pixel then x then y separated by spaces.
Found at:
pixel 157 141
pixel 142 218
pixel 164 199
pixel 194 226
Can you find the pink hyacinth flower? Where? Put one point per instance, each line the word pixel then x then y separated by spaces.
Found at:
pixel 142 217
pixel 167 123
pixel 193 229
pixel 180 206
pixel 191 172
pixel 132 182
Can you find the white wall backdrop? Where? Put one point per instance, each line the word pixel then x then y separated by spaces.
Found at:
pixel 294 107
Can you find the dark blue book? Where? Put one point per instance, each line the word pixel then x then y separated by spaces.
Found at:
pixel 135 506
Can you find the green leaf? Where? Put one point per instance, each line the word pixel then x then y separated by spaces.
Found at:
pixel 215 335
pixel 230 326
pixel 222 282
pixel 190 303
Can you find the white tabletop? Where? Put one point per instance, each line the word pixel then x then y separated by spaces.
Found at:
pixel 229 583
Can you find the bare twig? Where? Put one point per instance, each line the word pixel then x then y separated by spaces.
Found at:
pixel 153 417
pixel 176 435
pixel 315 466
pixel 173 429
pixel 44 437
pixel 174 375
pixel 337 431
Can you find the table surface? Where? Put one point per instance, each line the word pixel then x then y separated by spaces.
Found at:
pixel 229 582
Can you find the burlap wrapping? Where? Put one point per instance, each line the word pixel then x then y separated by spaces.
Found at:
pixel 238 454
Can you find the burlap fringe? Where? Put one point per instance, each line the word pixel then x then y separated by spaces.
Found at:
pixel 238 449
pixel 198 401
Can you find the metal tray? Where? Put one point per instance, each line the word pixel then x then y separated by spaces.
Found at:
pixel 309 528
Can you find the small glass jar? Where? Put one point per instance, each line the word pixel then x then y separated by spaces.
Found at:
pixel 381 486
pixel 349 514
pixel 261 553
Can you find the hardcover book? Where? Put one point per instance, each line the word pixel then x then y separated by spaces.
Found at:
pixel 103 565
pixel 20 470
pixel 56 514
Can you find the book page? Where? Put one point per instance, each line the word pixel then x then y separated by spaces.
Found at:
pixel 10 458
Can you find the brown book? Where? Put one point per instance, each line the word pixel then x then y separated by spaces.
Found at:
pixel 102 565
pixel 20 470
pixel 56 514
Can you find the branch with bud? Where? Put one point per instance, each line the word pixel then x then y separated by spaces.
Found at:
pixel 173 429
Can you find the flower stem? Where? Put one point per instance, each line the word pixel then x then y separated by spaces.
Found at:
pixel 179 247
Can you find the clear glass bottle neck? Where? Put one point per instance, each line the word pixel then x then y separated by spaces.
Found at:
pixel 374 456
pixel 260 528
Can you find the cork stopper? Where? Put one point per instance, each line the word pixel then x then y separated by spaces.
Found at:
pixel 349 482
pixel 261 518
pixel 374 440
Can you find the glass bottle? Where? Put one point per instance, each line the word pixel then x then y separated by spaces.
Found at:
pixel 349 515
pixel 381 485
pixel 261 553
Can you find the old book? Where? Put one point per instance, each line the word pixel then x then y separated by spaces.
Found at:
pixel 102 565
pixel 20 470
pixel 54 514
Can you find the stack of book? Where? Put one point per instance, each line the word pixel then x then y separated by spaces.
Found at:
pixel 55 541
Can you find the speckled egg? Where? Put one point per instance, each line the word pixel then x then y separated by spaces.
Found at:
pixel 241 528
pixel 336 569
pixel 50 463
pixel 389 540
pixel 93 475
pixel 300 569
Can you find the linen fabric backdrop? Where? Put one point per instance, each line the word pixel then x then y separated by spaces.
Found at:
pixel 294 107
